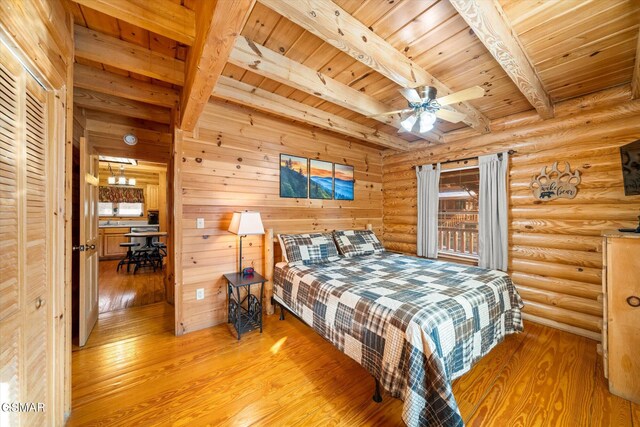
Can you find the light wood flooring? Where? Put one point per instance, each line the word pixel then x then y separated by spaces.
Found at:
pixel 134 371
pixel 119 290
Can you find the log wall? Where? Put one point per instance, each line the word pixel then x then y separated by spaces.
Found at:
pixel 231 162
pixel 555 254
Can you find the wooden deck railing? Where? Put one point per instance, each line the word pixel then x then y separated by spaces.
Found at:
pixel 458 233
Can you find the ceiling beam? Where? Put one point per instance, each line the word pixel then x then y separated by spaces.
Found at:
pixel 89 99
pixel 108 145
pixel 126 121
pixel 490 25
pixel 245 94
pixel 332 24
pixel 268 63
pixel 217 26
pixel 98 80
pixel 119 130
pixel 163 17
pixel 112 51
pixel 635 80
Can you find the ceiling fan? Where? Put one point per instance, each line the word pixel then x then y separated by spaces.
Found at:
pixel 424 107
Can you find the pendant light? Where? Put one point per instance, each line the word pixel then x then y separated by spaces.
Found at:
pixel 121 180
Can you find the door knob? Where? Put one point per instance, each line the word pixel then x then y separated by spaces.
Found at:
pixel 92 247
pixel 39 302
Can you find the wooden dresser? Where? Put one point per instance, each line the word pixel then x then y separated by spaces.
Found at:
pixel 621 322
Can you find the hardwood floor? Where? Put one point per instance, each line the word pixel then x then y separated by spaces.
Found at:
pixel 119 290
pixel 134 371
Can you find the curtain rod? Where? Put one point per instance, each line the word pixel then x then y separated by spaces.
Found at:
pixel 510 152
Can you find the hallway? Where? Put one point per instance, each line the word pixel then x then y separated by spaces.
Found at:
pixel 120 290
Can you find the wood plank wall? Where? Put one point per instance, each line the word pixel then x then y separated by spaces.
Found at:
pixel 231 162
pixel 555 249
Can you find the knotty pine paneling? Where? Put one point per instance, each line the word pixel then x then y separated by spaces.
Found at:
pixel 231 162
pixel 555 246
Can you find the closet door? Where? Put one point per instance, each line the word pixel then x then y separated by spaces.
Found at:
pixel 25 318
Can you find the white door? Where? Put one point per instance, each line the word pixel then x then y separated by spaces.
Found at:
pixel 89 239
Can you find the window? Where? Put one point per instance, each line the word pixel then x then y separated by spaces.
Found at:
pixel 120 209
pixel 105 209
pixel 458 213
pixel 130 209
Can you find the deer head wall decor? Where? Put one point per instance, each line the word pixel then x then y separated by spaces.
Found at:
pixel 555 183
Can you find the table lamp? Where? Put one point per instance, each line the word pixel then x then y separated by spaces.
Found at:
pixel 245 223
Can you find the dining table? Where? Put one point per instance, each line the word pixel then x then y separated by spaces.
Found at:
pixel 149 235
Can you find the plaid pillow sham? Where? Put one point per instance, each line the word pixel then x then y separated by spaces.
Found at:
pixel 310 248
pixel 357 242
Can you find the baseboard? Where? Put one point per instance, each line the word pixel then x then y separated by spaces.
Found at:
pixel 563 327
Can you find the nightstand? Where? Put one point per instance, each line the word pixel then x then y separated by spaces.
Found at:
pixel 244 312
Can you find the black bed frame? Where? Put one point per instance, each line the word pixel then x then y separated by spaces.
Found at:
pixel 377 397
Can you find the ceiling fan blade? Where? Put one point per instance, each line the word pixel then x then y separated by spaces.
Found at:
pixel 410 94
pixel 450 116
pixel 464 95
pixel 388 113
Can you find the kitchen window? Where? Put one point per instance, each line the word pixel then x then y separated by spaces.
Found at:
pixel 120 209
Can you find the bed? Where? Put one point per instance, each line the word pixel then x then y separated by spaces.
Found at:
pixel 414 324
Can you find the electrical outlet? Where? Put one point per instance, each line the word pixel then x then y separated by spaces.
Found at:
pixel 200 223
pixel 200 293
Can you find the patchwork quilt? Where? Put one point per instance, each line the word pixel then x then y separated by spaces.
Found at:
pixel 414 324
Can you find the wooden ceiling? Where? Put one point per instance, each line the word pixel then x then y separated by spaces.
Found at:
pixel 330 64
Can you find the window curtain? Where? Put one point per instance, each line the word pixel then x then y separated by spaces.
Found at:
pixel 428 189
pixel 121 195
pixel 493 212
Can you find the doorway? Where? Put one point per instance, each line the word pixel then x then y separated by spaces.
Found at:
pixel 131 197
pixel 132 200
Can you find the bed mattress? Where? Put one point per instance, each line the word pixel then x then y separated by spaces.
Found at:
pixel 413 323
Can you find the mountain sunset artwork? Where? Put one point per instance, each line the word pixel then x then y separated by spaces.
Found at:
pixel 343 182
pixel 320 179
pixel 294 173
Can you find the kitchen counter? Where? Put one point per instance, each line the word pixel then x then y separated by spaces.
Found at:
pixel 125 224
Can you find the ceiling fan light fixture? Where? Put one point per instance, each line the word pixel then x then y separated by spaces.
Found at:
pixel 427 119
pixel 407 124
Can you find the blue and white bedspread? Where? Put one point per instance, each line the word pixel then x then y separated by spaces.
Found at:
pixel 415 324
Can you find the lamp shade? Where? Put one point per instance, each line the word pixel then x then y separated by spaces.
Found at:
pixel 246 223
pixel 427 119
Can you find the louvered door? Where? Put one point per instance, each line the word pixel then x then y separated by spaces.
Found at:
pixel 25 321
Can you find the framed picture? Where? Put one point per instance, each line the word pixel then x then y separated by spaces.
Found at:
pixel 630 155
pixel 320 179
pixel 343 182
pixel 294 176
